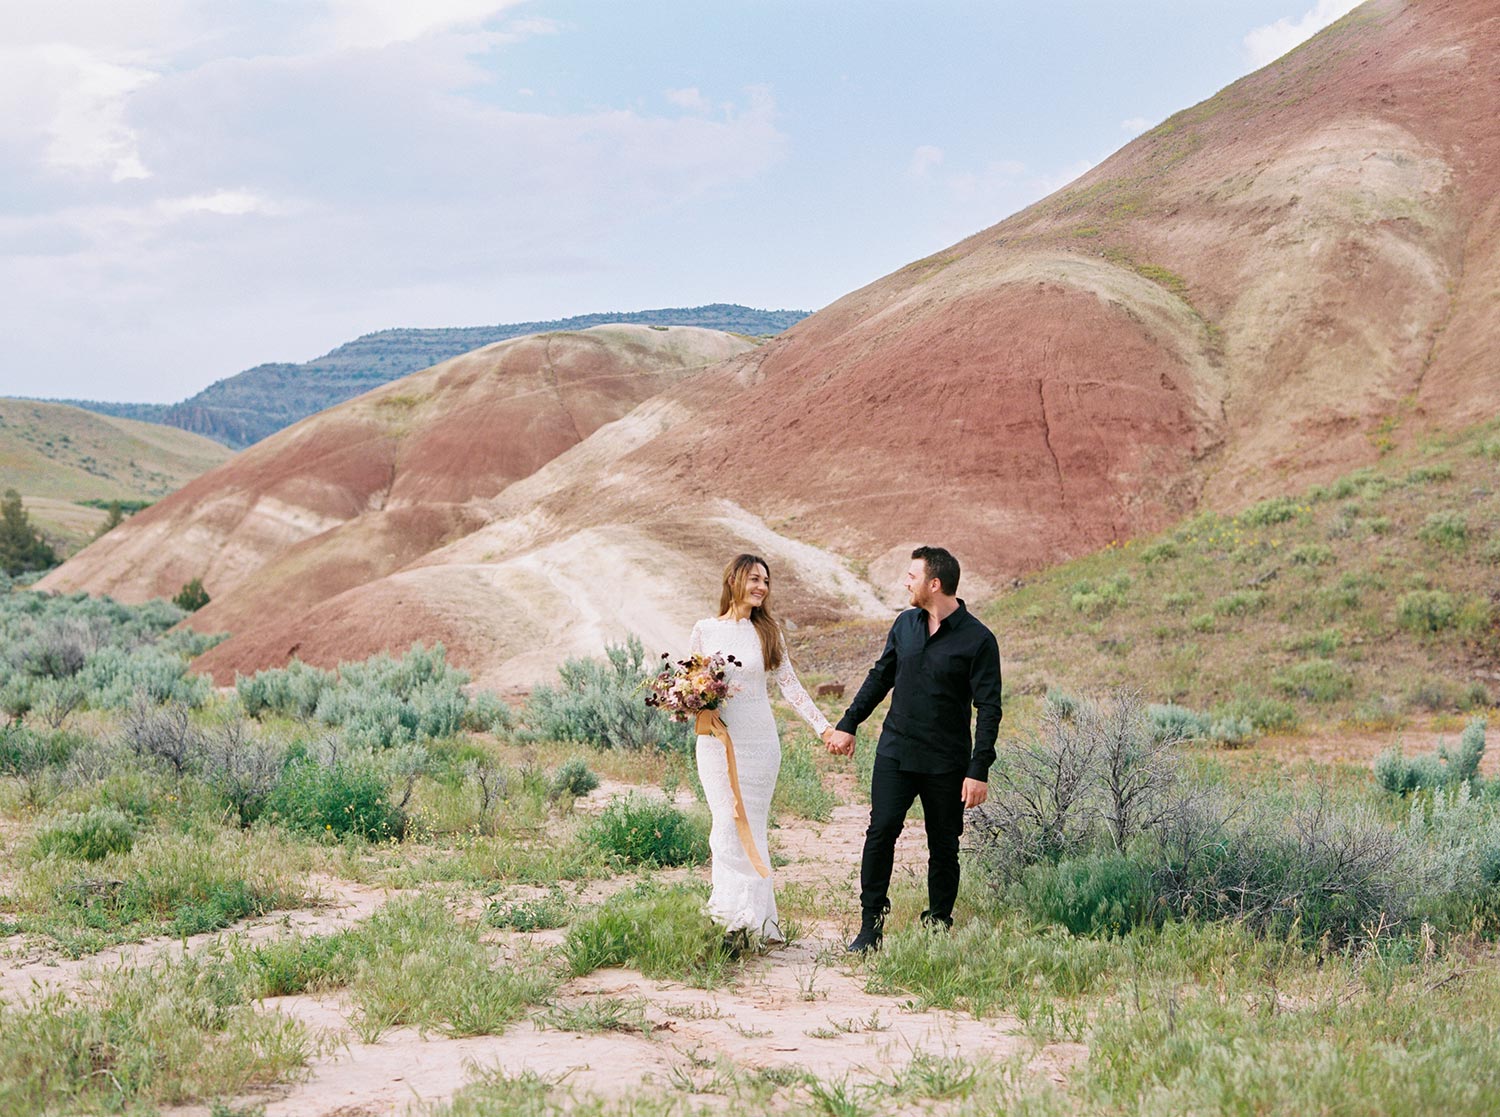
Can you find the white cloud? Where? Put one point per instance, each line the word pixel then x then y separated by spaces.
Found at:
pixel 372 24
pixel 924 159
pixel 1268 43
pixel 1135 125
pixel 331 169
pixel 225 203
pixel 690 99
pixel 65 105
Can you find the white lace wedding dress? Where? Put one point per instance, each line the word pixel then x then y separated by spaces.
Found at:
pixel 742 898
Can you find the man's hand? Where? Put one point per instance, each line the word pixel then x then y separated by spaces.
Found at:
pixel 839 743
pixel 975 792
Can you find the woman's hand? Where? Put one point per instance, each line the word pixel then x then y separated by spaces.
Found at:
pixel 839 743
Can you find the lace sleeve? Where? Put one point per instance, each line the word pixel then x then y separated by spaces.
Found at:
pixel 695 641
pixel 793 692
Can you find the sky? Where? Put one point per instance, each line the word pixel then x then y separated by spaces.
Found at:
pixel 190 188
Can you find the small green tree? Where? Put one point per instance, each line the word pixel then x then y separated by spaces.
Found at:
pixel 115 519
pixel 22 547
pixel 192 596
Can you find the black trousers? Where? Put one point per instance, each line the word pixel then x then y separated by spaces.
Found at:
pixel 892 793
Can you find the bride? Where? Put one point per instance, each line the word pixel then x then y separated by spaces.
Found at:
pixel 743 898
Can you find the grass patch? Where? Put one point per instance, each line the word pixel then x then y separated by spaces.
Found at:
pixel 177 883
pixel 662 931
pixel 412 963
pixel 642 830
pixel 136 1039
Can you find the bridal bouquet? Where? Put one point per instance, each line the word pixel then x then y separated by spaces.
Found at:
pixel 689 686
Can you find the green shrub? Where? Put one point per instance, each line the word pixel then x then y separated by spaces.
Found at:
pixel 1361 482
pixel 117 678
pixel 1177 723
pixel 1316 680
pixel 1427 612
pixel 1277 510
pixel 348 797
pixel 1435 694
pixel 1060 704
pixel 573 777
pixel 600 704
pixel 1266 715
pixel 292 691
pixel 648 831
pixel 1426 474
pixel 1179 602
pixel 191 597
pixel 1449 530
pixel 1100 894
pixel 87 836
pixel 488 713
pixel 24 752
pixel 1239 603
pixel 1311 554
pixel 1323 643
pixel 1097 598
pixel 377 703
pixel 1164 551
pixel 1400 774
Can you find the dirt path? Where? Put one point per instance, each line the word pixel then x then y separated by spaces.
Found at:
pixel 800 1008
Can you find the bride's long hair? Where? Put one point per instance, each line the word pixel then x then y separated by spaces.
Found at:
pixel 767 627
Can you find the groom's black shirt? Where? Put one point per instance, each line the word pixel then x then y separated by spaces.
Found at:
pixel 935 679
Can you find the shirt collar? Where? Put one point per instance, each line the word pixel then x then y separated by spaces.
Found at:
pixel 954 618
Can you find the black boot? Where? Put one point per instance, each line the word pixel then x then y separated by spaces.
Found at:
pixel 871 930
pixel 937 922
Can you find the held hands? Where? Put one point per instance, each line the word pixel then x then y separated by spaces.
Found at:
pixel 975 792
pixel 839 743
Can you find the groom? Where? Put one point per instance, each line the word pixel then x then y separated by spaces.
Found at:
pixel 940 660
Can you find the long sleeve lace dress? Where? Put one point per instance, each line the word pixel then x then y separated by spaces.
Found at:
pixel 742 898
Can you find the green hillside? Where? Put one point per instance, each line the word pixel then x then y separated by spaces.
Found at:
pixel 1365 600
pixel 56 456
pixel 260 401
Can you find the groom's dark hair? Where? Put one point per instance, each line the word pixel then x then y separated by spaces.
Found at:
pixel 940 565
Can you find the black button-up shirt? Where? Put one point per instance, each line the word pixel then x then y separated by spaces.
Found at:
pixel 935 679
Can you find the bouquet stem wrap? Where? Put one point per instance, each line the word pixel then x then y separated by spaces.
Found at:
pixel 711 724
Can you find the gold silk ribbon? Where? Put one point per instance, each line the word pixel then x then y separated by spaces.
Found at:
pixel 711 724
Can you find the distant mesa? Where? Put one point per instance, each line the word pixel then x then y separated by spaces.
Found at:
pixel 1269 289
pixel 244 408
